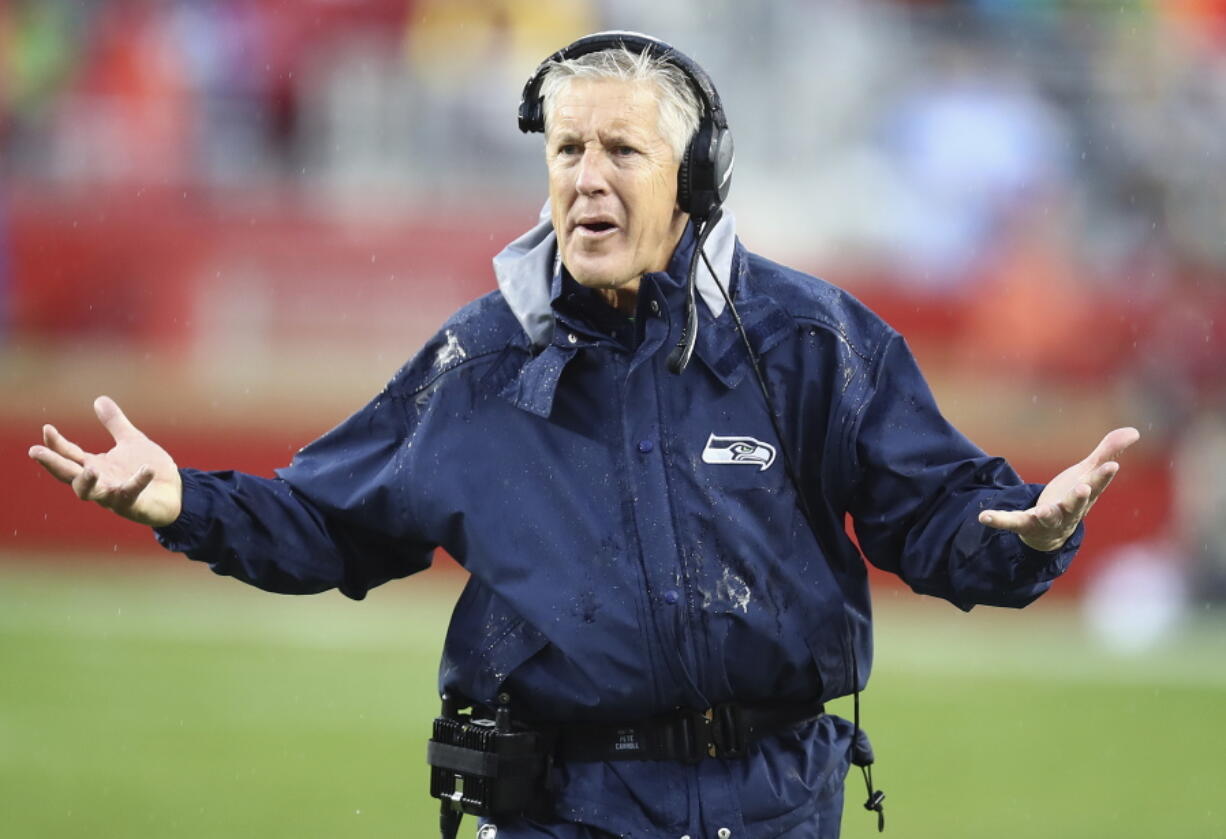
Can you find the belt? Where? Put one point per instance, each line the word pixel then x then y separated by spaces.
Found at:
pixel 723 731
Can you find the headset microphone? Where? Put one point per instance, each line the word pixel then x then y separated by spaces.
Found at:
pixel 680 357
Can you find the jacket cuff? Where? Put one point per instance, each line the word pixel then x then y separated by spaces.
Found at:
pixel 187 531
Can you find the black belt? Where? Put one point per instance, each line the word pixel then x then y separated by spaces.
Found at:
pixel 724 731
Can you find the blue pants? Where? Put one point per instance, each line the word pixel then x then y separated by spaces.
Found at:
pixel 823 825
pixel 813 759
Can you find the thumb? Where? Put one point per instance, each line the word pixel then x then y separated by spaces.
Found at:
pixel 113 419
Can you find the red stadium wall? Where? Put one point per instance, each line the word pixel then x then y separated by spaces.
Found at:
pixel 111 267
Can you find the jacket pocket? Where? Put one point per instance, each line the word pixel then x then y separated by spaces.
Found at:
pixel 830 648
pixel 486 643
pixel 506 654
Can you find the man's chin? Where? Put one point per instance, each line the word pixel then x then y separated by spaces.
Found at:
pixel 595 275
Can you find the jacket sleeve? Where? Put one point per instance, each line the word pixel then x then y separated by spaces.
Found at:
pixel 339 516
pixel 920 485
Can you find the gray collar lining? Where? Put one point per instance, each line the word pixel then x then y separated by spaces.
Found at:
pixel 524 269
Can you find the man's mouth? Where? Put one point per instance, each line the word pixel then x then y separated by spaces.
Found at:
pixel 594 226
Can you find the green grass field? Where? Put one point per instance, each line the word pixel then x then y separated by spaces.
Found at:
pixel 153 699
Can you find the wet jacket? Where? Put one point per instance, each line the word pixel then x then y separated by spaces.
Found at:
pixel 634 541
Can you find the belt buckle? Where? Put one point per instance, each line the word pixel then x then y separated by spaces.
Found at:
pixel 695 735
pixel 715 732
pixel 726 731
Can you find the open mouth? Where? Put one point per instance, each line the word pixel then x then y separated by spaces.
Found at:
pixel 596 226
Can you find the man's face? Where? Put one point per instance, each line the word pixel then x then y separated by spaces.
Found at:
pixel 612 183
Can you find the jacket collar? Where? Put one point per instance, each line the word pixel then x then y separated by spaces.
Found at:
pixel 526 271
pixel 720 345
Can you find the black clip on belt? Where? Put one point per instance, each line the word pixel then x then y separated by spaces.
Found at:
pixel 723 731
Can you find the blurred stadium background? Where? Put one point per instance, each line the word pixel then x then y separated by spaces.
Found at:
pixel 239 217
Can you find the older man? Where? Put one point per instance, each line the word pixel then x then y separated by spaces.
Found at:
pixel 660 576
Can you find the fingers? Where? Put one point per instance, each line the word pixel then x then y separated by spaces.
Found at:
pixel 61 445
pixel 1049 516
pixel 113 419
pixel 89 486
pixel 127 491
pixel 1100 478
pixel 1086 494
pixel 83 484
pixel 1112 445
pixel 1073 507
pixel 61 468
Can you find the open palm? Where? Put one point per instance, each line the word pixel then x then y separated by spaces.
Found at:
pixel 136 478
pixel 1067 498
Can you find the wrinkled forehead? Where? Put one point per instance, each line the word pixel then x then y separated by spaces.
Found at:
pixel 587 106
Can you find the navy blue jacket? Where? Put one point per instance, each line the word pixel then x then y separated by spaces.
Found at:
pixel 634 541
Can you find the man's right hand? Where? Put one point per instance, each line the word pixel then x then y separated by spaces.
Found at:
pixel 136 479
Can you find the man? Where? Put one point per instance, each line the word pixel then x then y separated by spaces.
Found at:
pixel 647 539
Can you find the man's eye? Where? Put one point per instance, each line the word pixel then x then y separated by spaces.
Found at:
pixel 624 151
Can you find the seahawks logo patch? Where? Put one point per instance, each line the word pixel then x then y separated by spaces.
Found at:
pixel 744 451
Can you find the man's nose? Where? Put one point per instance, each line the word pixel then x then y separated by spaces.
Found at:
pixel 593 175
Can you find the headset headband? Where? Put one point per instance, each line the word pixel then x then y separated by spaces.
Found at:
pixel 532 108
pixel 705 169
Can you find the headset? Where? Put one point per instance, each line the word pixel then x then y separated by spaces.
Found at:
pixel 706 167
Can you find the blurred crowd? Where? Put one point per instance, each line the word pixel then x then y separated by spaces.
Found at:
pixel 924 137
pixel 924 129
pixel 1057 166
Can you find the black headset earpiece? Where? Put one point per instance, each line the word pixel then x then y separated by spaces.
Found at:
pixel 705 173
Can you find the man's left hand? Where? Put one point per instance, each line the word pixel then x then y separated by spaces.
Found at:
pixel 1065 501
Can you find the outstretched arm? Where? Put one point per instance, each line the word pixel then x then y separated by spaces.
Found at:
pixel 925 494
pixel 136 478
pixel 260 530
pixel 1065 501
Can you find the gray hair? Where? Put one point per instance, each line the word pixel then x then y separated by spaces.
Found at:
pixel 679 106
